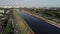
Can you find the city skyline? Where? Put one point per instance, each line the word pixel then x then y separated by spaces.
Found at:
pixel 31 3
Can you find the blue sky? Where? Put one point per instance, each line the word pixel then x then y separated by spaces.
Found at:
pixel 35 3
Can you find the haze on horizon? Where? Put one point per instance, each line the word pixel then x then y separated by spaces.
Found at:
pixel 31 3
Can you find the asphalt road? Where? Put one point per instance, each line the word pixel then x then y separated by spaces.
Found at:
pixel 15 26
pixel 39 26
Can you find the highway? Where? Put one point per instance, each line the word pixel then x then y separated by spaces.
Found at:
pixel 15 26
pixel 39 26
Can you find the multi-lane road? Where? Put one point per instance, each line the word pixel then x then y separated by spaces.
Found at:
pixel 39 26
pixel 15 26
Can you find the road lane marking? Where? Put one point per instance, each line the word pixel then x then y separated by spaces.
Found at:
pixel 15 30
pixel 16 24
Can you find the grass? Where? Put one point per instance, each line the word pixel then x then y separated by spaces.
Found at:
pixel 8 29
pixel 24 29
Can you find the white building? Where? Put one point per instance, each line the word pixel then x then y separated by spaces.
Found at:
pixel 1 11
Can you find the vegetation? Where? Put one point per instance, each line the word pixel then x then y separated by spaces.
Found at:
pixel 51 13
pixel 8 29
pixel 5 24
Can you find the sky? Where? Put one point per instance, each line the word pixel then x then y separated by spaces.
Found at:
pixel 31 3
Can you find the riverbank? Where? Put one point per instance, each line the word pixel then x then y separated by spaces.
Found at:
pixel 45 19
pixel 24 28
